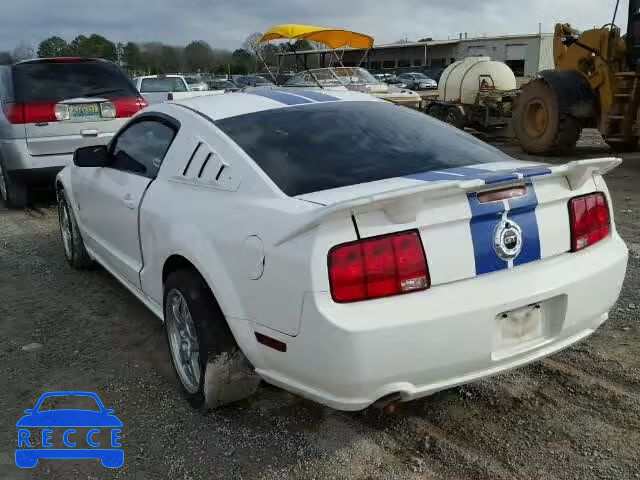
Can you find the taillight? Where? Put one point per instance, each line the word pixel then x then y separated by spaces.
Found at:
pixel 378 267
pixel 30 112
pixel 127 107
pixel 590 221
pixel 14 112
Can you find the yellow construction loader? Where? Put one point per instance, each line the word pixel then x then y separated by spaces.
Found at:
pixel 595 84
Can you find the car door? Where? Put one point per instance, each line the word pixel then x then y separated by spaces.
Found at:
pixel 110 196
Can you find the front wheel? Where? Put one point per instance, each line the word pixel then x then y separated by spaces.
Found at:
pixel 210 367
pixel 538 124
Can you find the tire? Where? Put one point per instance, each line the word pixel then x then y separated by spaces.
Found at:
pixel 538 124
pixel 454 117
pixel 72 243
pixel 210 368
pixel 434 110
pixel 13 191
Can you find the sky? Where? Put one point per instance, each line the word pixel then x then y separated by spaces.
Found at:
pixel 225 24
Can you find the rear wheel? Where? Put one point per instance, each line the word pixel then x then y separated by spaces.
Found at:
pixel 209 365
pixel 13 192
pixel 538 124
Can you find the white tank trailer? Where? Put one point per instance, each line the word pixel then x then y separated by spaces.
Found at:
pixel 476 92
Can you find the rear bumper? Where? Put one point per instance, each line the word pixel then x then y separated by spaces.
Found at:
pixel 18 161
pixel 348 356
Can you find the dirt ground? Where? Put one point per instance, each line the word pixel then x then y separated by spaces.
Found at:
pixel 573 416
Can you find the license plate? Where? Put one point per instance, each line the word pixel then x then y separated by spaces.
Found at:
pixel 519 329
pixel 84 111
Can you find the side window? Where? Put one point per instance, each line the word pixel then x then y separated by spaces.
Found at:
pixel 141 148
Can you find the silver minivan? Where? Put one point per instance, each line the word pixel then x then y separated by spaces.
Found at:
pixel 49 108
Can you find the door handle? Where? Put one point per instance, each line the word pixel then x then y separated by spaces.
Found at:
pixel 89 133
pixel 128 201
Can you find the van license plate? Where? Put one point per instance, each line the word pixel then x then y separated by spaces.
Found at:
pixel 84 111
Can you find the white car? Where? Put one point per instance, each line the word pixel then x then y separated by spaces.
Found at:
pixel 355 252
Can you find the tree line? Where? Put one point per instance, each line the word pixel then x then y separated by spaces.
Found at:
pixel 156 57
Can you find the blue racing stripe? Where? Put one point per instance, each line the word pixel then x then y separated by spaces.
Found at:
pixel 316 96
pixel 484 219
pixel 498 177
pixel 534 171
pixel 279 96
pixel 523 212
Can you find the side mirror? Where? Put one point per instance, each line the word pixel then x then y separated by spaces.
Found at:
pixel 29 411
pixel 94 156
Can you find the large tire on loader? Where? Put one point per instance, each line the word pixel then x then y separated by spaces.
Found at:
pixel 539 125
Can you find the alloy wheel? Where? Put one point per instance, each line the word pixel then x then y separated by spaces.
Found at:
pixel 183 341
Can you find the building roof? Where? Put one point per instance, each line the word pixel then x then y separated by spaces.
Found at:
pixel 430 43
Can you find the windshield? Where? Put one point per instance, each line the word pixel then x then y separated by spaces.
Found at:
pixel 333 77
pixel 310 148
pixel 191 80
pixel 162 84
pixel 46 81
pixel 420 76
pixel 258 79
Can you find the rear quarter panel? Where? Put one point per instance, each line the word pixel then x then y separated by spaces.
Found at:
pixel 210 226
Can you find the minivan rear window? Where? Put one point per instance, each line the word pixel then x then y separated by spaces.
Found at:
pixel 162 85
pixel 60 80
pixel 316 147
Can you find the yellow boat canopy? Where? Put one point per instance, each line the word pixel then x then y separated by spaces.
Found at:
pixel 331 37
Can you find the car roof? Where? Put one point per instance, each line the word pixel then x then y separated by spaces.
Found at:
pixel 251 100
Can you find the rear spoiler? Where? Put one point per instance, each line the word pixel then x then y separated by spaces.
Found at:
pixel 396 201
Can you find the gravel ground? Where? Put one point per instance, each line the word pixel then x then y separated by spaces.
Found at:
pixel 573 416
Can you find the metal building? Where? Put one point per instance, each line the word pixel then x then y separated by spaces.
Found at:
pixel 525 54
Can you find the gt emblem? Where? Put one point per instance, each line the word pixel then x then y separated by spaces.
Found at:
pixel 507 240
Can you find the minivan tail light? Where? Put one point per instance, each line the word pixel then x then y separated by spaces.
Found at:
pixel 378 267
pixel 127 107
pixel 30 112
pixel 14 112
pixel 590 220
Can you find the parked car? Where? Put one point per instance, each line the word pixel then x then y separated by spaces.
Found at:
pixel 434 72
pixel 395 81
pixel 330 236
pixel 51 107
pixel 154 88
pixel 196 84
pixel 221 84
pixel 418 81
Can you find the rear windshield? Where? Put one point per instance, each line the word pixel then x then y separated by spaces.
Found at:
pixel 310 148
pixel 162 85
pixel 44 81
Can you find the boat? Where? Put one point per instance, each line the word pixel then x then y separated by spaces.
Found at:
pixel 337 77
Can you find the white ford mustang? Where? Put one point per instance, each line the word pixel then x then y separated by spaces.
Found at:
pixel 340 247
